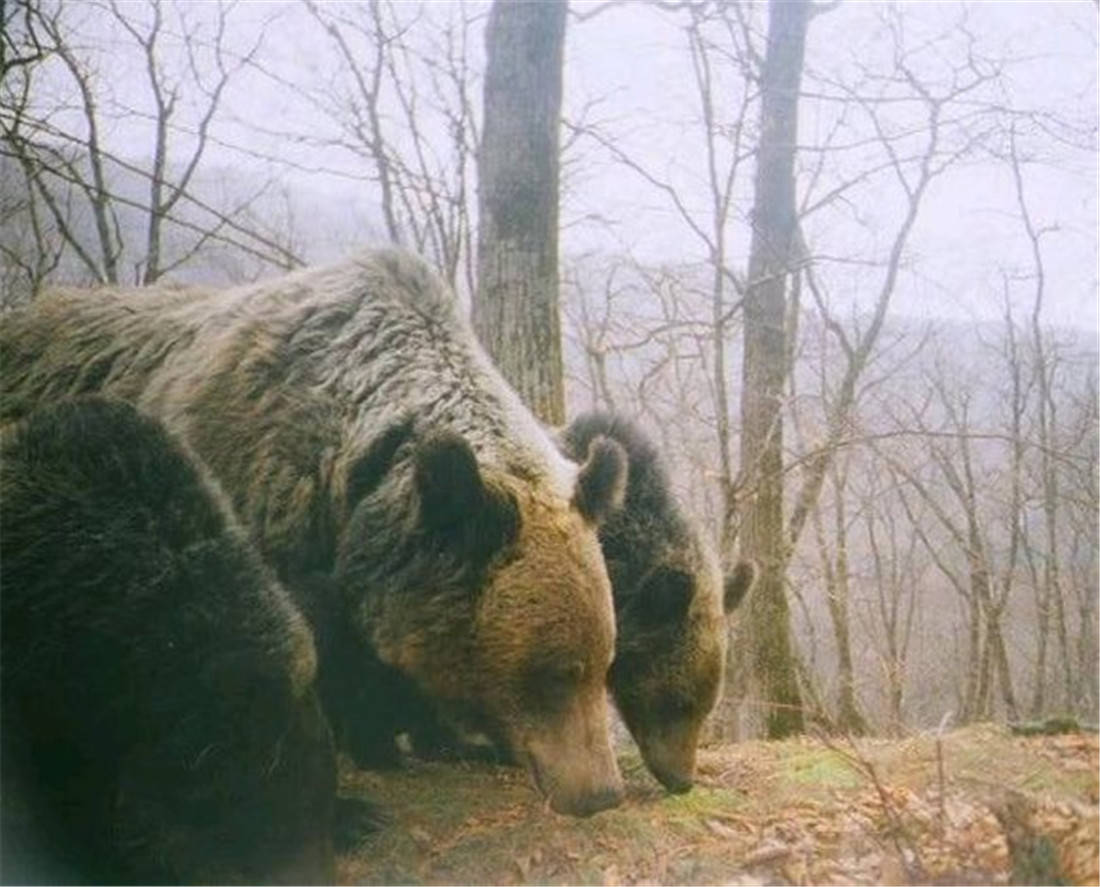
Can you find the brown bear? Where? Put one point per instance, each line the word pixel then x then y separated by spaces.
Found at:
pixel 671 605
pixel 160 723
pixel 358 427
pixel 671 609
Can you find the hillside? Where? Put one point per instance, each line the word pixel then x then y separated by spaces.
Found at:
pixel 981 806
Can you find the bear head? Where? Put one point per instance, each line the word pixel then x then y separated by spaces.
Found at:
pixel 669 665
pixel 487 592
pixel 671 606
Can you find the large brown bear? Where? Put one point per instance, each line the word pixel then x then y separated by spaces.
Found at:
pixel 671 610
pixel 160 723
pixel 671 605
pixel 356 425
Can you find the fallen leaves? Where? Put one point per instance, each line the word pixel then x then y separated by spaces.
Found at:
pixel 749 822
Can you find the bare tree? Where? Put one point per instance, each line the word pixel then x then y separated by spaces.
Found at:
pixel 896 578
pixel 402 104
pixel 764 369
pixel 165 192
pixel 725 65
pixel 1048 590
pixel 515 307
pixel 82 194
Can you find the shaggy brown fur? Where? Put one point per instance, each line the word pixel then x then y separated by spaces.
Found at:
pixel 671 605
pixel 160 723
pixel 356 424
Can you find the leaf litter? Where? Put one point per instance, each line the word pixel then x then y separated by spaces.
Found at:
pixel 1007 810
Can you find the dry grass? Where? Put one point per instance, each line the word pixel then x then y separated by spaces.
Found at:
pixel 784 812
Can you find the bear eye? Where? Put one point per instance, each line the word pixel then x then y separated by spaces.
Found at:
pixel 664 598
pixel 675 708
pixel 566 675
pixel 550 686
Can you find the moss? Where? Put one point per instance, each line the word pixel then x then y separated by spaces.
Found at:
pixel 463 824
pixel 1037 863
pixel 699 803
pixel 821 768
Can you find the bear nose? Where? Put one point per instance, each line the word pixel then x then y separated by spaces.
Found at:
pixel 594 802
pixel 675 782
pixel 678 784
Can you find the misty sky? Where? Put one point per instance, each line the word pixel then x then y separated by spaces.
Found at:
pixel 630 68
pixel 965 235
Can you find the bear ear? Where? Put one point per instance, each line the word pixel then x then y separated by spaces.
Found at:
pixel 738 583
pixel 372 466
pixel 455 504
pixel 664 598
pixel 448 481
pixel 601 483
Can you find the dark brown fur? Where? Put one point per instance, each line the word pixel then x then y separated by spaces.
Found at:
pixel 160 722
pixel 671 606
pixel 336 405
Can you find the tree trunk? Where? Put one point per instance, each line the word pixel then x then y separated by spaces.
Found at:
pixel 849 717
pixel 773 678
pixel 515 307
pixel 973 660
pixel 1038 697
pixel 1004 671
pixel 1086 655
pixel 979 588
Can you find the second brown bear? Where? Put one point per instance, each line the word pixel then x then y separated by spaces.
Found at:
pixel 671 606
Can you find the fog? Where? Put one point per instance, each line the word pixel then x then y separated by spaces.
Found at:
pixel 628 83
pixel 946 169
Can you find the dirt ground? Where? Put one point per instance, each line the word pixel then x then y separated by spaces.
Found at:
pixel 980 806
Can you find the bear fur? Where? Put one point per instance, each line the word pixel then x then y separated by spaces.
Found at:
pixel 671 609
pixel 671 605
pixel 360 430
pixel 159 717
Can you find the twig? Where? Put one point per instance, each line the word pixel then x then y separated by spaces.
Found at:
pixel 939 771
pixel 908 854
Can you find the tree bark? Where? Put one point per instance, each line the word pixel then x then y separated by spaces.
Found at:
pixel 1038 697
pixel 515 307
pixel 774 677
pixel 849 716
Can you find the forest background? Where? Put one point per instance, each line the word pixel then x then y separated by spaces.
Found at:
pixel 935 424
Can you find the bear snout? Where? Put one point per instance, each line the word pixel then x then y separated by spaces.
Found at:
pixel 676 781
pixel 587 800
pixel 669 753
pixel 576 770
pixel 594 802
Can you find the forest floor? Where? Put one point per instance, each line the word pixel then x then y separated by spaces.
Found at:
pixel 979 806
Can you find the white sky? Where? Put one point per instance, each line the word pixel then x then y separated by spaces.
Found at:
pixel 632 62
pixel 967 231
